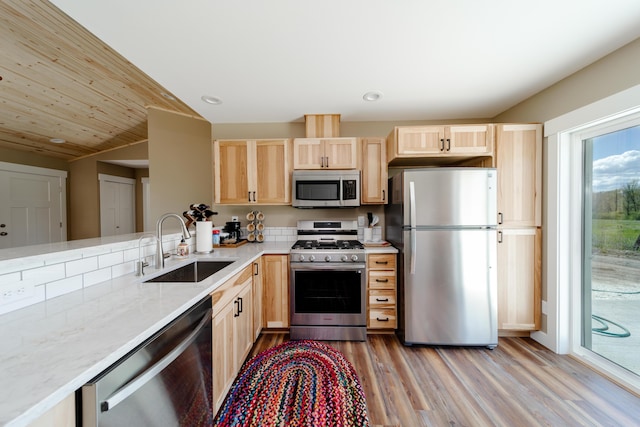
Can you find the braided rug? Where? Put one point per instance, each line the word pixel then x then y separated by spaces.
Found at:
pixel 297 383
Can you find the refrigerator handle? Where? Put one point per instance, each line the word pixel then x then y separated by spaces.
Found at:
pixel 412 223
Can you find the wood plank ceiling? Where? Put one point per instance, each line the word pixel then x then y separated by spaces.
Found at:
pixel 57 80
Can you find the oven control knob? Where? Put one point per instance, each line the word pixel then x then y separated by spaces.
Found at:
pixel 312 258
pixel 344 258
pixel 354 258
pixel 301 258
pixel 327 258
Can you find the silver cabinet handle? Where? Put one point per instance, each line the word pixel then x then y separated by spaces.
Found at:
pixel 500 218
pixel 134 385
pixel 412 223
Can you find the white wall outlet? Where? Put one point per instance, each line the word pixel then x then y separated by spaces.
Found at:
pixel 234 218
pixel 12 292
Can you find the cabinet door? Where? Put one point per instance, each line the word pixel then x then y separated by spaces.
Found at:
pixel 231 172
pixel 223 353
pixel 420 140
pixel 469 139
pixel 276 291
pixel 374 171
pixel 257 298
pixel 272 172
pixel 243 327
pixel 308 153
pixel 341 153
pixel 519 163
pixel 61 415
pixel 519 279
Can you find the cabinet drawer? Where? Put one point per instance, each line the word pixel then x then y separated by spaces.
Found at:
pixel 382 297
pixel 382 279
pixel 381 261
pixel 384 318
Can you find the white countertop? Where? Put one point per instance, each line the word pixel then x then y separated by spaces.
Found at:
pixel 50 349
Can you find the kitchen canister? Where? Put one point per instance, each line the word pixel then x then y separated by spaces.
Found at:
pixel 203 236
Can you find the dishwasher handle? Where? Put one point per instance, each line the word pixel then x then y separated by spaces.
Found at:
pixel 135 384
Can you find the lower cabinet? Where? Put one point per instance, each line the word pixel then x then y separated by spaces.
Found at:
pixel 61 415
pixel 232 331
pixel 275 276
pixel 519 279
pixel 381 291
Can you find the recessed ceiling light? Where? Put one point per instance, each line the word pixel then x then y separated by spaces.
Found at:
pixel 211 99
pixel 373 95
pixel 168 96
pixel 57 140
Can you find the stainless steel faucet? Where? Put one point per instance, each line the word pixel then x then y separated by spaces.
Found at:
pixel 159 251
pixel 140 264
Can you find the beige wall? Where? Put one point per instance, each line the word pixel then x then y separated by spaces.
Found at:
pixel 616 72
pixel 83 214
pixel 180 164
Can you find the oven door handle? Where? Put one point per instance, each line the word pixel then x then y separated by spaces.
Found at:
pixel 321 265
pixel 156 368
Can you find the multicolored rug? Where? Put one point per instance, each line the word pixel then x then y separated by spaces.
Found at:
pixel 297 383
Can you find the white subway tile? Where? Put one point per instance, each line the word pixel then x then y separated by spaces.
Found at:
pixel 97 276
pixel 81 266
pixel 19 264
pixel 64 286
pixel 45 274
pixel 122 269
pixel 109 260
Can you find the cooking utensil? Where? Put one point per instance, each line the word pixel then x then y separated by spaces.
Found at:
pixel 375 220
pixel 370 218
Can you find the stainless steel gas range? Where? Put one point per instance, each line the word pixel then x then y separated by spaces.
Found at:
pixel 328 282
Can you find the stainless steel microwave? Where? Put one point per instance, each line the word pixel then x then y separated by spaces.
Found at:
pixel 325 189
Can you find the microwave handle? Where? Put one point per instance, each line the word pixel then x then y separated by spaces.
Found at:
pixel 341 192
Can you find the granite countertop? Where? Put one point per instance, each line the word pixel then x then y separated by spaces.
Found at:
pixel 50 349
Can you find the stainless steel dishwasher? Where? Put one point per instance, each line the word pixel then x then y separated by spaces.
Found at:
pixel 166 381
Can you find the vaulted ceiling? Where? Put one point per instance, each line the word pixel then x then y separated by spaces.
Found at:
pixel 87 71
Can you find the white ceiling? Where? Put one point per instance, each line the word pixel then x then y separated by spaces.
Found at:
pixel 274 61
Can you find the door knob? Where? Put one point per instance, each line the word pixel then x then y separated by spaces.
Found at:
pixel 4 233
pixel 3 225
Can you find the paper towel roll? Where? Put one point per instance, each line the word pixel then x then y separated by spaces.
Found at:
pixel 203 236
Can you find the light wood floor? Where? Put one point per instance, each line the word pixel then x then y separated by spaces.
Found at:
pixel 520 383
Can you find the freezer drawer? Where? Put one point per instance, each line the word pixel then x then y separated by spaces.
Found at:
pixel 450 290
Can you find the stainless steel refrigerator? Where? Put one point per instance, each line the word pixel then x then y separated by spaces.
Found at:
pixel 443 221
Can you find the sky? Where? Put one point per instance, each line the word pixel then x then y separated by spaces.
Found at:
pixel 616 159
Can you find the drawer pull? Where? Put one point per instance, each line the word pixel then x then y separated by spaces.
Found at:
pixel 382 320
pixel 382 280
pixel 382 299
pixel 382 262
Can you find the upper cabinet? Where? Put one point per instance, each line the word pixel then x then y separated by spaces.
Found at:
pixel 325 153
pixel 374 171
pixel 252 171
pixel 519 163
pixel 447 143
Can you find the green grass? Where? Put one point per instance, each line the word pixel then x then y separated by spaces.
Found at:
pixel 615 235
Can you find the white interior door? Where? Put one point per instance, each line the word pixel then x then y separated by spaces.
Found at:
pixel 33 205
pixel 117 205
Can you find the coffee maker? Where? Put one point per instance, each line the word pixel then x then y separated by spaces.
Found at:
pixel 234 230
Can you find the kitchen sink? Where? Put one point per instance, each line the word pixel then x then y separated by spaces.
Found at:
pixel 194 272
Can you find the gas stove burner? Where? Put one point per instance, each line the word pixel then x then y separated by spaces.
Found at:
pixel 333 244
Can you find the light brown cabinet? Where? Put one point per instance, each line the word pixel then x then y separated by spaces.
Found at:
pixel 518 160
pixel 374 171
pixel 452 142
pixel 275 273
pixel 381 291
pixel 252 172
pixel 232 331
pixel 325 153
pixel 519 163
pixel 519 279
pixel 61 415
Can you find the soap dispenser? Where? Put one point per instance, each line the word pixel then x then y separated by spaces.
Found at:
pixel 183 248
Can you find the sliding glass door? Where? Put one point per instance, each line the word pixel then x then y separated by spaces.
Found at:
pixel 611 243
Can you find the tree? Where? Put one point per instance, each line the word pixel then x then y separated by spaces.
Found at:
pixel 631 198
